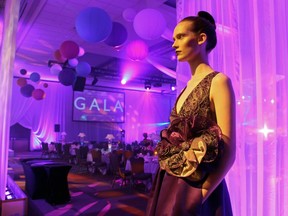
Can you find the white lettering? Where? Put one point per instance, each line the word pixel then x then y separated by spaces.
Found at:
pixel 105 109
pixel 83 106
pixel 94 104
pixel 118 106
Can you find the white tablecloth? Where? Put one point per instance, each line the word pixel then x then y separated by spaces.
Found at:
pixel 149 167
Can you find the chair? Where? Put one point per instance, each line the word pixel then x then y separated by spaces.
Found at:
pixel 117 172
pixel 45 150
pixel 81 162
pixel 97 163
pixel 138 174
pixel 83 152
pixel 59 151
pixel 127 155
pixel 66 153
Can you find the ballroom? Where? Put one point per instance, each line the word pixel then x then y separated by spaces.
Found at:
pixel 86 87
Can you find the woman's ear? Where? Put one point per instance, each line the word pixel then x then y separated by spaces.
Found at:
pixel 202 38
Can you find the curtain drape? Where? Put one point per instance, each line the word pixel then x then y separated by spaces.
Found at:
pixel 252 51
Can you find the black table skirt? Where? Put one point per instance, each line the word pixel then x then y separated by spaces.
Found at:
pixel 46 179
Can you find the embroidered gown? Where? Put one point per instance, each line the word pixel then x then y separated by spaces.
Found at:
pixel 189 149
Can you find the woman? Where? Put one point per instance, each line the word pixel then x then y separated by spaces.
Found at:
pixel 198 148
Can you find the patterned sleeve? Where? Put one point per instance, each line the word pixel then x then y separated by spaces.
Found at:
pixel 181 158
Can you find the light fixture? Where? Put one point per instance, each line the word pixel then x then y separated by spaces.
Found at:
pixel 147 85
pixel 173 87
pixel 95 80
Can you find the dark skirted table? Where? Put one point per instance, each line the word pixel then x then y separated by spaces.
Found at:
pixel 46 179
pixel 57 184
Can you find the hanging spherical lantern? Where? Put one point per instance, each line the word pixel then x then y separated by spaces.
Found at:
pixel 81 51
pixel 83 69
pixel 55 69
pixel 129 14
pixel 23 71
pixel 73 62
pixel 93 24
pixel 69 49
pixel 35 77
pixel 21 82
pixel 67 76
pixel 45 85
pixel 137 50
pixel 58 56
pixel 118 35
pixel 149 24
pixel 38 94
pixel 27 90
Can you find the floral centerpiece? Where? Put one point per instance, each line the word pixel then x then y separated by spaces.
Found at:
pixel 81 135
pixel 110 137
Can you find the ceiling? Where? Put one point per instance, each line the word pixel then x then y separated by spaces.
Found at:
pixel 45 24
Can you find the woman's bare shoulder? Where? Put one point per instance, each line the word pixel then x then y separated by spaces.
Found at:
pixel 221 78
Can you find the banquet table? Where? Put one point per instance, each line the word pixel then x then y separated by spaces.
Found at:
pixel 47 179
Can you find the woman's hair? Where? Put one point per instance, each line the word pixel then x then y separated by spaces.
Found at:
pixel 204 23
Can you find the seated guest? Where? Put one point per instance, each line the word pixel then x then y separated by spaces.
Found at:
pixel 146 142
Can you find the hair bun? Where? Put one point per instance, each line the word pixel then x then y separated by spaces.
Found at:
pixel 207 16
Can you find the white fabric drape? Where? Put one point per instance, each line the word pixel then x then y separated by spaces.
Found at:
pixel 252 51
pixel 8 42
pixel 40 116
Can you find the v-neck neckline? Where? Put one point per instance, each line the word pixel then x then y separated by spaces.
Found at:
pixel 175 107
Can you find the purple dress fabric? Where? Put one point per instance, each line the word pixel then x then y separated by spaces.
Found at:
pixel 174 192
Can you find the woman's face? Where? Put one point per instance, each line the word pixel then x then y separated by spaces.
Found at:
pixel 185 42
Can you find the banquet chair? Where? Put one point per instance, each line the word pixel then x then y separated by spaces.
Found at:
pixel 97 163
pixel 45 150
pixel 118 172
pixel 59 151
pixel 127 155
pixel 138 174
pixel 66 153
pixel 80 162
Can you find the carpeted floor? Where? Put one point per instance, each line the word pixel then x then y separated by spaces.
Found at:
pixel 91 194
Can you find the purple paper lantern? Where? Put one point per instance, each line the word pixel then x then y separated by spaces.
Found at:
pixel 83 69
pixel 38 94
pixel 69 49
pixel 129 14
pixel 55 69
pixel 73 62
pixel 93 24
pixel 149 24
pixel 118 35
pixel 23 71
pixel 35 77
pixel 27 90
pixel 67 76
pixel 21 82
pixel 137 50
pixel 81 51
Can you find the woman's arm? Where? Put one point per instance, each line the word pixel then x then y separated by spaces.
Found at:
pixel 223 102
